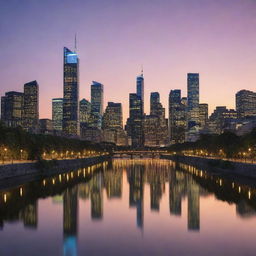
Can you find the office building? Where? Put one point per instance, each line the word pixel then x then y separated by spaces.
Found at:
pixel 85 112
pixel 113 116
pixel 46 126
pixel 31 106
pixel 135 120
pixel 154 101
pixel 246 103
pixel 97 90
pixel 71 126
pixel 203 114
pixel 140 89
pixel 57 114
pixel 192 100
pixel 177 117
pixel 12 109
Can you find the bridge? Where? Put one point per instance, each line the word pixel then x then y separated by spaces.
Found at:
pixel 139 153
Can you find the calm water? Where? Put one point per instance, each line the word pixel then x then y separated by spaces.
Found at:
pixel 129 207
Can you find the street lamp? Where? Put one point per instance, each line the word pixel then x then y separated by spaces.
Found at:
pixel 21 154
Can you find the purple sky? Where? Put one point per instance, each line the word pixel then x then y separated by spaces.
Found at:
pixel 216 38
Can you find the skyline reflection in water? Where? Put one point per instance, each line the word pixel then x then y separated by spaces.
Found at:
pixel 124 207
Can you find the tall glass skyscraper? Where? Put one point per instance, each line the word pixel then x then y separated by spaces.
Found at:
pixel 113 116
pixel 193 100
pixel 154 101
pixel 57 114
pixel 71 126
pixel 140 89
pixel 177 117
pixel 97 90
pixel 246 103
pixel 31 106
pixel 12 108
pixel 135 121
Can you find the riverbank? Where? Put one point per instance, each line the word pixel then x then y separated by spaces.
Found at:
pixel 217 166
pixel 17 173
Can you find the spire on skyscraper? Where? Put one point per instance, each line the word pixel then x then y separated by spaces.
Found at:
pixel 75 44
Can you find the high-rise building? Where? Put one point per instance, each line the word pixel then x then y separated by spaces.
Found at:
pixel 46 126
pixel 135 120
pixel 113 116
pixel 85 112
pixel 203 114
pixel 12 109
pixel 154 102
pixel 57 114
pixel 246 103
pixel 140 89
pixel 97 97
pixel 177 117
pixel 71 126
pixel 31 106
pixel 193 100
pixel 155 125
pixel 220 119
pixel 113 124
pixel 97 90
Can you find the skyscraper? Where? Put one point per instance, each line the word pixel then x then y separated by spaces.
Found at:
pixel 57 114
pixel 113 124
pixel 135 120
pixel 203 114
pixel 154 101
pixel 12 109
pixel 140 89
pixel 193 100
pixel 85 112
pixel 177 117
pixel 155 126
pixel 31 106
pixel 246 103
pixel 71 126
pixel 97 90
pixel 113 116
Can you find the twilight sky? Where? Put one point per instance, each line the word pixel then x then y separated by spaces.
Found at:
pixel 216 38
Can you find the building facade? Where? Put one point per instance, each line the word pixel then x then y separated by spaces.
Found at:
pixel 135 121
pixel 12 108
pixel 97 90
pixel 177 117
pixel 193 99
pixel 57 114
pixel 85 112
pixel 71 126
pixel 140 89
pixel 31 106
pixel 246 103
pixel 203 114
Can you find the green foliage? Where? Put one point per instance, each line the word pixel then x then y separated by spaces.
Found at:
pixel 228 142
pixel 16 139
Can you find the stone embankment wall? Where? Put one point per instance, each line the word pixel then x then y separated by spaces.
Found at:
pixel 39 170
pixel 217 166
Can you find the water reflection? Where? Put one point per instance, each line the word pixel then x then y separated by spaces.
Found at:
pixel 186 184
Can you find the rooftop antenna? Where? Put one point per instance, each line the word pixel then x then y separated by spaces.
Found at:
pixel 75 43
pixel 141 70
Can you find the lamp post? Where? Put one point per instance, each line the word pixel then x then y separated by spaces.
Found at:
pixel 21 154
pixel 5 153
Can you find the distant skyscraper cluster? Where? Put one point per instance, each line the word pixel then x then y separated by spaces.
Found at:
pixel 87 120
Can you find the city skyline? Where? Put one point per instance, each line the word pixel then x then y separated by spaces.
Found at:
pixel 167 52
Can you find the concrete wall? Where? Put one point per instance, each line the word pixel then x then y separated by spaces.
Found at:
pixel 58 166
pixel 216 166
